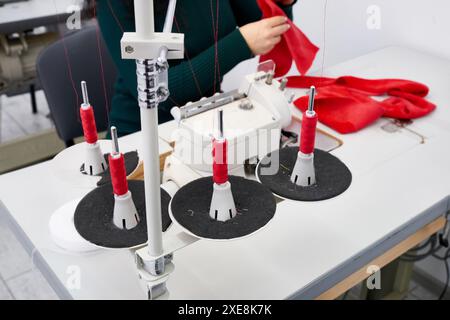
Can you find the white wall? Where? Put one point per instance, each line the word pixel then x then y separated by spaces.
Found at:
pixel 419 24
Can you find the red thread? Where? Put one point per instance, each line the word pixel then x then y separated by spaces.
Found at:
pixel 217 41
pixel 118 175
pixel 89 126
pixel 215 26
pixel 67 58
pixel 189 60
pixel 308 136
pixel 102 70
pixel 115 16
pixel 220 164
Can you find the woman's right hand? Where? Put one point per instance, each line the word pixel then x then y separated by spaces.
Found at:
pixel 264 35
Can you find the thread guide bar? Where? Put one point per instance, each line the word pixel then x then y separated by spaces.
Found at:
pixel 207 104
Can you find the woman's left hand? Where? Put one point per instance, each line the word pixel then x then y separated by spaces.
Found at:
pixel 286 2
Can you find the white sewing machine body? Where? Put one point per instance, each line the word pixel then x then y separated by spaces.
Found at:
pixel 254 116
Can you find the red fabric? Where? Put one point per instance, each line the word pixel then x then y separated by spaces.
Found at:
pixel 308 134
pixel 294 46
pixel 89 127
pixel 220 164
pixel 118 175
pixel 346 103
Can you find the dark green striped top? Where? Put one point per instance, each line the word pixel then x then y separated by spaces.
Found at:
pixel 189 79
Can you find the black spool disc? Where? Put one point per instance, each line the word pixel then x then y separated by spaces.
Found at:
pixel 255 206
pixel 94 217
pixel 332 176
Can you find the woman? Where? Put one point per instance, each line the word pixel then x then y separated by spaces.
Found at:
pixel 238 35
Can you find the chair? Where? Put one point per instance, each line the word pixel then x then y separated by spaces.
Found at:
pixel 82 53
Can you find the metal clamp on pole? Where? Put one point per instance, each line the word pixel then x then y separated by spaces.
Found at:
pixel 151 51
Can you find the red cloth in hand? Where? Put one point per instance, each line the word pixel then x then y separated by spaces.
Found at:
pixel 294 46
pixel 346 103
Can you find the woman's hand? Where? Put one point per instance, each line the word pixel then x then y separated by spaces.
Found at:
pixel 264 35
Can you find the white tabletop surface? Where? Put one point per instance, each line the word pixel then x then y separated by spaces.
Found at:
pixel 396 179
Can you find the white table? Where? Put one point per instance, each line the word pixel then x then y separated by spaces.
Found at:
pixel 399 186
pixel 20 16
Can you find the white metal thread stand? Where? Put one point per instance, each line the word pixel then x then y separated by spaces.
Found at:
pixel 151 51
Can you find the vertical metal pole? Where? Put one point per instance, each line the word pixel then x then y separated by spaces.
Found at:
pixel 144 18
pixel 312 96
pixel 168 24
pixel 146 73
pixel 84 91
pixel 33 99
pixel 115 142
pixel 220 134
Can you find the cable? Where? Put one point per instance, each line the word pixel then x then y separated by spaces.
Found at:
pixel 445 258
pixel 435 246
pixel 344 297
pixel 447 269
pixel 435 243
pixel 421 247
pixel 412 258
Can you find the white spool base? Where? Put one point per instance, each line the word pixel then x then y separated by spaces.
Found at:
pixel 125 215
pixel 66 166
pixel 304 173
pixel 64 233
pixel 223 207
pixel 94 163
